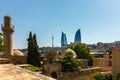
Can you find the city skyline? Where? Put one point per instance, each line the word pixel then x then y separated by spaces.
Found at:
pixel 99 20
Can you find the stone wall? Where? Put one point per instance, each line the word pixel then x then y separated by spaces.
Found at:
pixel 4 61
pixel 85 74
pixel 115 60
pixel 98 62
pixel 52 68
pixel 18 59
pixel 84 63
pixel 102 62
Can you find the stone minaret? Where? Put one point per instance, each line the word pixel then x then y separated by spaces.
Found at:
pixel 8 30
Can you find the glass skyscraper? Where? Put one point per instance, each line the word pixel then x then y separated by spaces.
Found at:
pixel 77 36
pixel 63 39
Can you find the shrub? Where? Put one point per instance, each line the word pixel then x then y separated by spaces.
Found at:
pixel 99 76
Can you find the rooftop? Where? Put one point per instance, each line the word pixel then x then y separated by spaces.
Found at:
pixel 12 72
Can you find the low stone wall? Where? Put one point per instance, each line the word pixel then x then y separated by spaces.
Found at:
pixel 99 62
pixel 85 74
pixel 102 62
pixel 84 63
pixel 18 59
pixel 4 61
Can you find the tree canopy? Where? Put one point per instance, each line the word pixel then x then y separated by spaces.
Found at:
pixel 69 63
pixel 33 56
pixel 99 76
pixel 2 46
pixel 83 52
pixel 117 75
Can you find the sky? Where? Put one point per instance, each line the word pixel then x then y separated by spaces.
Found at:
pixel 99 20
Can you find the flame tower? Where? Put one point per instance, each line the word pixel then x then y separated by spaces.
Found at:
pixel 63 39
pixel 78 36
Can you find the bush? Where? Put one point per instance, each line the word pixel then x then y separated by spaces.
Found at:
pixel 117 75
pixel 99 76
pixel 69 63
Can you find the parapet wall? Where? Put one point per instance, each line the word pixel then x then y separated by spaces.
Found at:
pixel 85 74
pixel 19 59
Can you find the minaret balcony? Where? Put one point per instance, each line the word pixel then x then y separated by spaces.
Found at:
pixel 11 29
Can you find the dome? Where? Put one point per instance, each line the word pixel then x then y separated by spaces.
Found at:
pixel 70 50
pixel 18 53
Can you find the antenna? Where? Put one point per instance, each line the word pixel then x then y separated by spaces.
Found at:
pixel 52 40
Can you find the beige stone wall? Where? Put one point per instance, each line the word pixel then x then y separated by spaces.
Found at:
pixel 102 62
pixel 19 59
pixel 74 76
pixel 106 59
pixel 14 60
pixel 50 68
pixel 84 63
pixel 115 60
pixel 98 62
pixel 86 74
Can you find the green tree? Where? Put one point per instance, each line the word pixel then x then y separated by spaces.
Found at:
pixel 69 63
pixel 33 56
pixel 90 60
pixel 83 52
pixel 2 46
pixel 36 52
pixel 99 76
pixel 35 41
pixel 30 49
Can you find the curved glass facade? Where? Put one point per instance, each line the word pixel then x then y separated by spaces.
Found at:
pixel 63 39
pixel 78 36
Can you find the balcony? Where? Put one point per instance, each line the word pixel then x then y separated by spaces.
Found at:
pixel 7 28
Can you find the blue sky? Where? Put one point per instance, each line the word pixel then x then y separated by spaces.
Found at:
pixel 99 20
